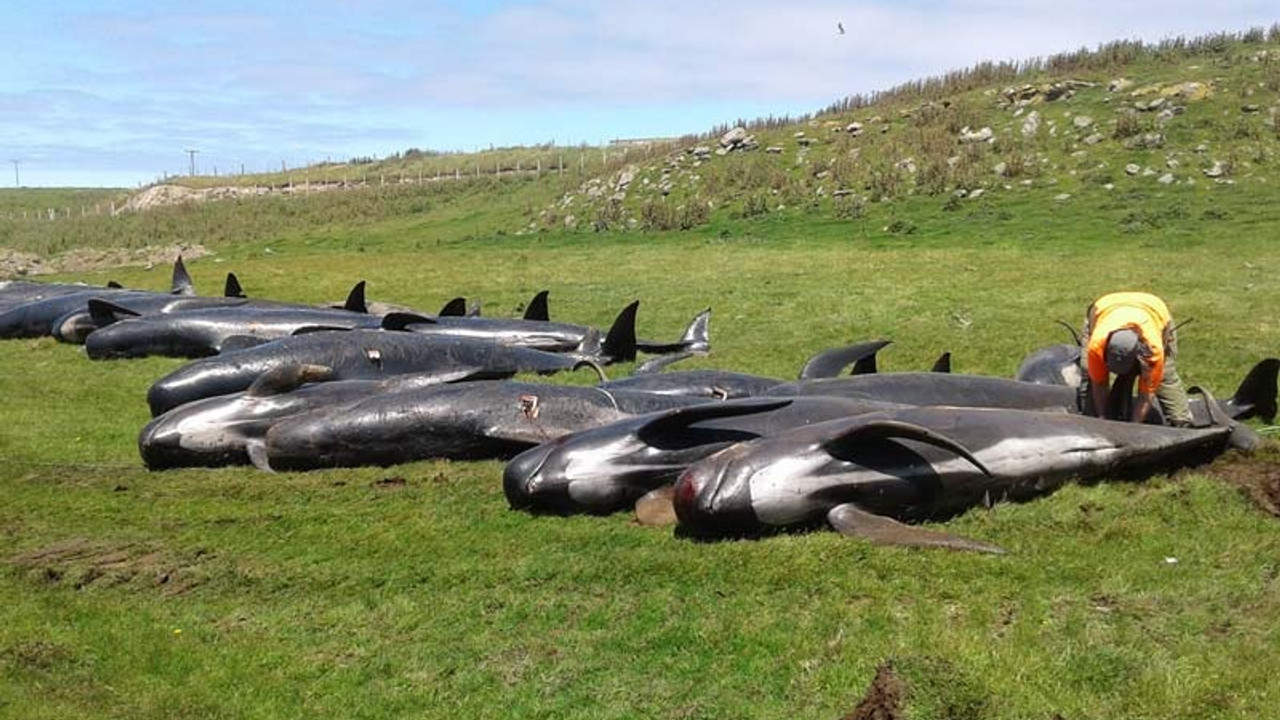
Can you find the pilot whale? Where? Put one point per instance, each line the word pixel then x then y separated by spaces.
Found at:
pixel 871 475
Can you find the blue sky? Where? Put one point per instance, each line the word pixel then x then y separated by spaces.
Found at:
pixel 111 93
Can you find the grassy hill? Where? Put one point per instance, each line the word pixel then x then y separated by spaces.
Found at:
pixel 414 591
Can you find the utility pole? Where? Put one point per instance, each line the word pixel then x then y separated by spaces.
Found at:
pixel 15 173
pixel 193 154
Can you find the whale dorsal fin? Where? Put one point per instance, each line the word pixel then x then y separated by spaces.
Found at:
pixel 181 284
pixel 232 287
pixel 456 307
pixel 851 520
pixel 355 300
pixel 829 363
pixel 537 309
pixel 620 344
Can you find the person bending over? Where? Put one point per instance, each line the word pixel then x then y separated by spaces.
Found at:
pixel 1132 333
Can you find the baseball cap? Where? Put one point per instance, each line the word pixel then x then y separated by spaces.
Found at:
pixel 1122 351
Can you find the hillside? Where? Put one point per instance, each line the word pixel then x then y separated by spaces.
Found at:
pixel 1125 117
pixel 1188 118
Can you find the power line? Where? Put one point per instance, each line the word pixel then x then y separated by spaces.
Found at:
pixel 192 153
pixel 15 173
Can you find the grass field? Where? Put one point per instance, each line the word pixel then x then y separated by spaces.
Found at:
pixel 413 591
pixel 232 593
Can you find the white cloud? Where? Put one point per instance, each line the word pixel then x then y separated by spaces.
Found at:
pixel 345 77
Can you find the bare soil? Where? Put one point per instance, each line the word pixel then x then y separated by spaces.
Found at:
pixel 14 263
pixel 884 697
pixel 1256 475
pixel 83 563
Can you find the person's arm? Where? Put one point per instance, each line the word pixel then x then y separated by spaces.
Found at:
pixel 1098 392
pixel 1142 407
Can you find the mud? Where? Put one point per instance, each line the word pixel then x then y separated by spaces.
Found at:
pixel 1257 476
pixel 884 697
pixel 82 563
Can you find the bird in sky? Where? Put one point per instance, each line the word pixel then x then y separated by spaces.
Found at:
pixel 840 27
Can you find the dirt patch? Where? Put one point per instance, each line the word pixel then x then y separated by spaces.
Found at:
pixel 884 697
pixel 14 263
pixel 83 563
pixel 165 195
pixel 1256 475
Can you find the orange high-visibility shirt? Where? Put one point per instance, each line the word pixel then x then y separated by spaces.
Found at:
pixel 1144 313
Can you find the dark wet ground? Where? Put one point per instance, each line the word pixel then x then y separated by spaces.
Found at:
pixel 1256 475
pixel 883 700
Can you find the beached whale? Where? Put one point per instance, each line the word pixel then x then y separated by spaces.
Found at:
pixel 356 354
pixel 872 474
pixel 471 420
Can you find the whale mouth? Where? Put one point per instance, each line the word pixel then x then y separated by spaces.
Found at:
pixel 520 478
pixel 708 505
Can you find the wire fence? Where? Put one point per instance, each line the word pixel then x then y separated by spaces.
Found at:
pixel 411 168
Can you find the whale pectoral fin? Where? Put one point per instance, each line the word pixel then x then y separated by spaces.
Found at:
pixel 238 342
pixel 287 378
pixel 857 433
pixel 657 507
pixel 402 320
pixel 851 520
pixel 258 455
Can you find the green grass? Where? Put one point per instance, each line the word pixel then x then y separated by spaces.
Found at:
pixel 329 594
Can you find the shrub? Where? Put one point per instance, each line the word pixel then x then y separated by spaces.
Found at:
pixel 849 207
pixel 755 205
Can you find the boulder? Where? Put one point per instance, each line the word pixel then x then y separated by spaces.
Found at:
pixel 1190 91
pixel 985 134
pixel 625 178
pixel 1145 141
pixel 1031 125
pixel 1082 121
pixel 1216 171
pixel 734 137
